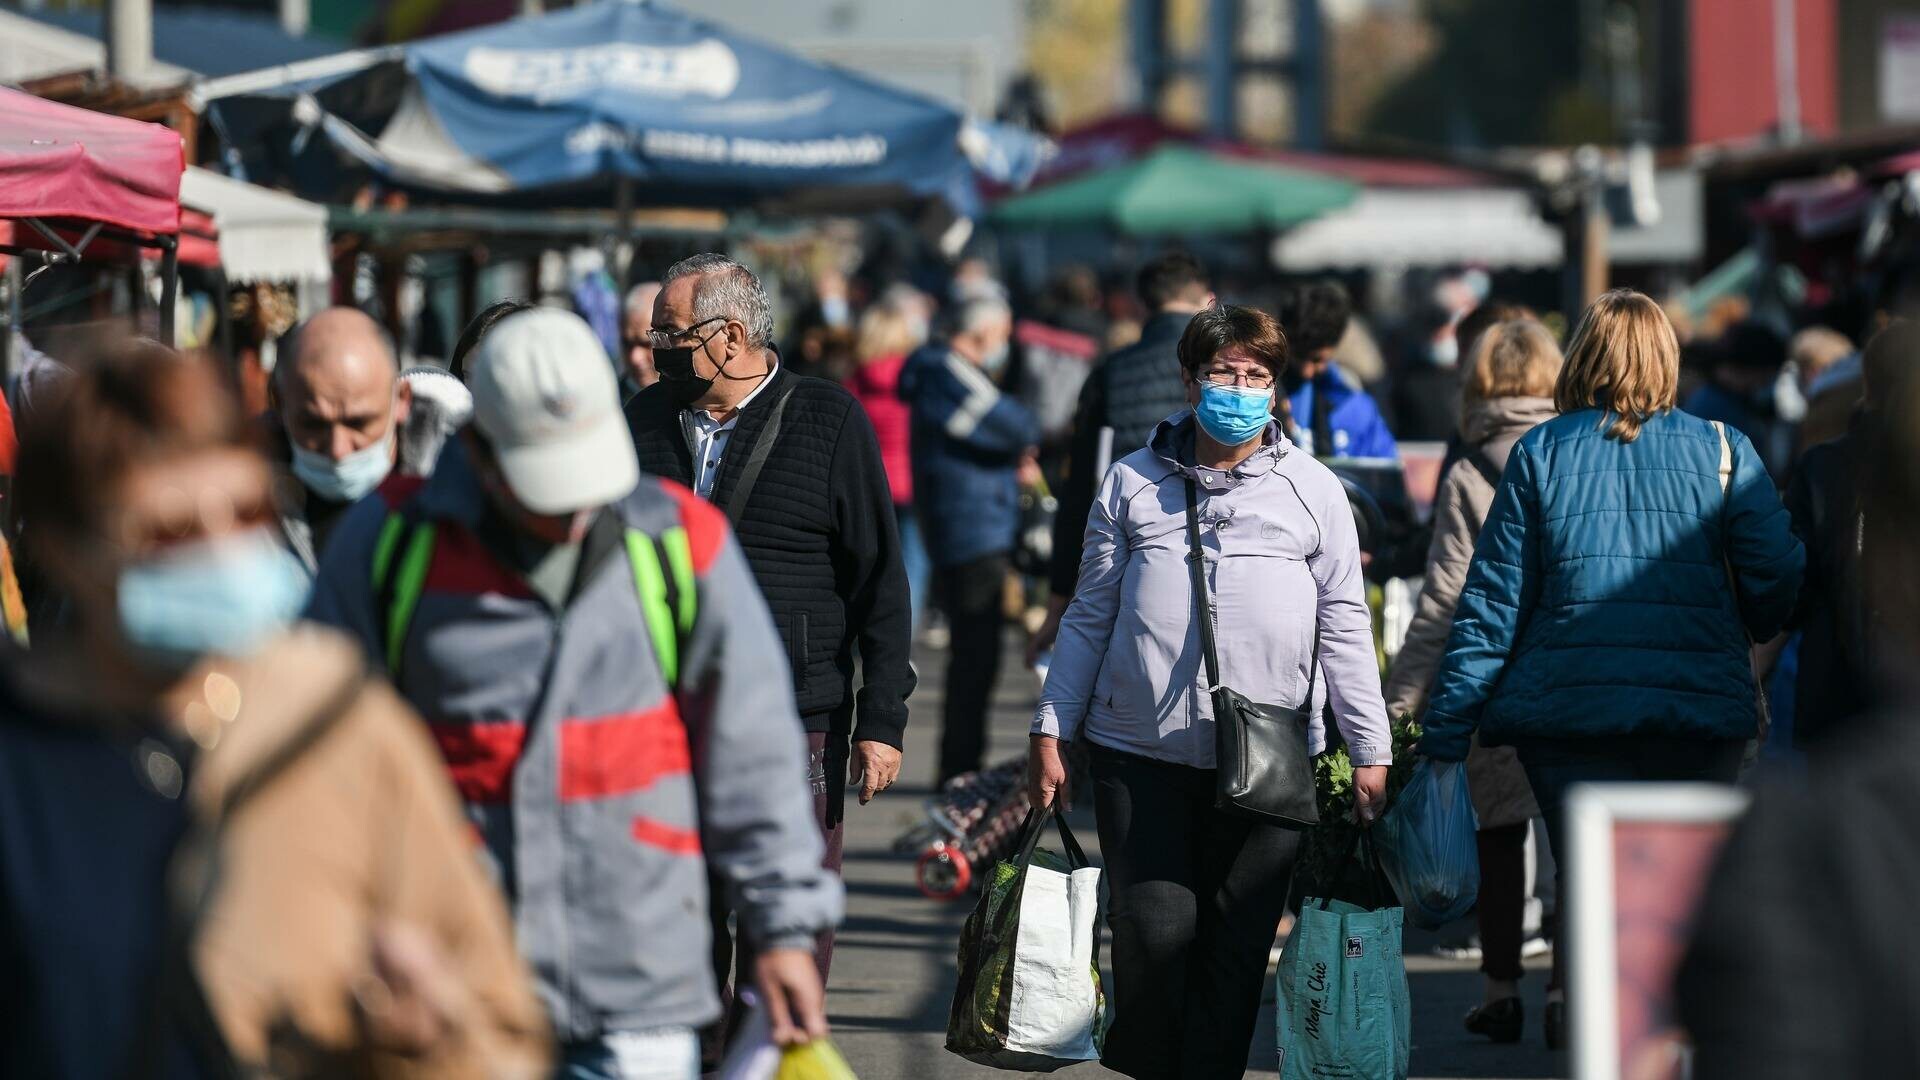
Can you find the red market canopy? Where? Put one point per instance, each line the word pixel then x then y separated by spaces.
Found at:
pixel 64 169
pixel 60 162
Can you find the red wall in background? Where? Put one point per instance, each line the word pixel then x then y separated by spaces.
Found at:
pixel 1730 69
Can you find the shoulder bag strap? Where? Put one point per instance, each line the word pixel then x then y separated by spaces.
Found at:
pixel 1726 496
pixel 1313 659
pixel 1203 607
pixel 1761 704
pixel 1483 465
pixel 757 460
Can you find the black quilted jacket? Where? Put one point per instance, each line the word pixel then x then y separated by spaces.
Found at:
pixel 818 530
pixel 1131 392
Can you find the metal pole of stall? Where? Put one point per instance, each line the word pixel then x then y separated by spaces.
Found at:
pixel 223 321
pixel 169 284
pixel 10 350
pixel 1309 76
pixel 620 260
pixel 1222 67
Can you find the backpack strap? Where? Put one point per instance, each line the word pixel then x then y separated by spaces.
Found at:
pixel 664 580
pixel 401 558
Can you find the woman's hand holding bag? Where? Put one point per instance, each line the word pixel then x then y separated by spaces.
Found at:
pixel 1369 792
pixel 1047 773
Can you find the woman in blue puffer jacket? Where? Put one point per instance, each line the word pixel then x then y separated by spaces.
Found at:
pixel 1631 554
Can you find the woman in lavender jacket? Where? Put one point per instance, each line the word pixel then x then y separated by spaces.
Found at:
pixel 1196 893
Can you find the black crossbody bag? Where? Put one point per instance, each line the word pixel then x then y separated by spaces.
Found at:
pixel 1260 751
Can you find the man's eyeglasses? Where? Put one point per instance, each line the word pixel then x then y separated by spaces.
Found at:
pixel 1252 381
pixel 665 339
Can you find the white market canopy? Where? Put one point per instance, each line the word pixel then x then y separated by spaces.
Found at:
pixel 1424 227
pixel 264 235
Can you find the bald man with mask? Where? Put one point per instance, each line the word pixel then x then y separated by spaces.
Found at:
pixel 338 402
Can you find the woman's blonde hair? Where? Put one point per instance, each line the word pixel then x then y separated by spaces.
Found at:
pixel 884 331
pixel 1518 358
pixel 1623 359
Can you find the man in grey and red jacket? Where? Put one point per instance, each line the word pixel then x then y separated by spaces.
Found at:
pixel 592 656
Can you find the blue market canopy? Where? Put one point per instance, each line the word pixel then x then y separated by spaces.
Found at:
pixel 622 88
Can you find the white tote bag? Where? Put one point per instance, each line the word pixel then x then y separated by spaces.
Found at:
pixel 1029 997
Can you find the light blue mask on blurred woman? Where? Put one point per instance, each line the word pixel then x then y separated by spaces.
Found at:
pixel 1232 415
pixel 225 596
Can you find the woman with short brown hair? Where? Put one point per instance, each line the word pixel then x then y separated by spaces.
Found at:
pixel 1196 891
pixel 1629 555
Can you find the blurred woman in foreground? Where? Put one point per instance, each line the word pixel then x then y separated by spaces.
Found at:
pixel 1511 371
pixel 1630 555
pixel 221 845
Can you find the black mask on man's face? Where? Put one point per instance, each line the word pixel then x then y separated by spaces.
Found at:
pixel 675 365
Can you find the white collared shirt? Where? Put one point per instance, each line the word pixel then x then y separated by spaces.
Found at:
pixel 710 438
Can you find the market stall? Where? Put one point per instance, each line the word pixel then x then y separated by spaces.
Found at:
pixel 70 178
pixel 673 108
pixel 265 236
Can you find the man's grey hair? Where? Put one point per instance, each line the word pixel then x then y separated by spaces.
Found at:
pixel 727 290
pixel 981 311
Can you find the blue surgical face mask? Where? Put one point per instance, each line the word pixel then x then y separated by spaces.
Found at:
pixel 1232 415
pixel 224 596
pixel 835 310
pixel 995 361
pixel 350 478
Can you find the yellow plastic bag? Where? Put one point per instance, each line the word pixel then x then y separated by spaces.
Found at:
pixel 817 1060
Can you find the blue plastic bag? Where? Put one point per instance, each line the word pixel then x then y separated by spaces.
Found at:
pixel 1343 1007
pixel 1427 845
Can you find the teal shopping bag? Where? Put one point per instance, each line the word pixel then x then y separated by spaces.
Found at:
pixel 1345 1013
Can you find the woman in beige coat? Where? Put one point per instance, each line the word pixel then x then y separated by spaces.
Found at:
pixel 1510 376
pixel 225 849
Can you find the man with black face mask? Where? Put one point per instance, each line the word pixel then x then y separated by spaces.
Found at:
pixel 794 462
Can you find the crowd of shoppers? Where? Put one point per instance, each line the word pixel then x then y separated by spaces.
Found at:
pixel 603 625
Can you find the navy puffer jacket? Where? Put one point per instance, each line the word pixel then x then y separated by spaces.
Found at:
pixel 968 438
pixel 1597 605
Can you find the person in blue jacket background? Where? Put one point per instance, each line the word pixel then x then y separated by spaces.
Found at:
pixel 1332 417
pixel 1631 553
pixel 970 445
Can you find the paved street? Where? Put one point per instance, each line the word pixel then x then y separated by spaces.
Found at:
pixel 893 971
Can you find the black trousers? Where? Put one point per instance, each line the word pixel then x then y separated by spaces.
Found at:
pixel 1502 908
pixel 970 594
pixel 1196 896
pixel 1553 766
pixel 827 778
